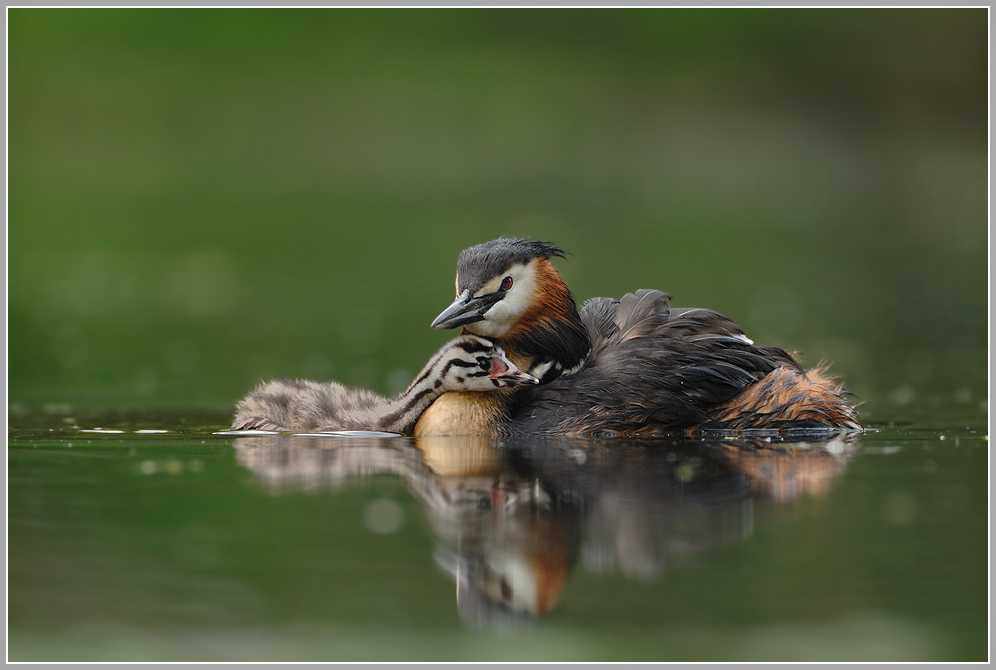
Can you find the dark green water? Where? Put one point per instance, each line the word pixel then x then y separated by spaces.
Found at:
pixel 187 545
pixel 198 200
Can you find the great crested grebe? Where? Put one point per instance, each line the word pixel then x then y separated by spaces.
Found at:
pixel 466 363
pixel 633 366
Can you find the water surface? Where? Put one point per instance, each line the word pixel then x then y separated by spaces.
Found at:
pixel 188 545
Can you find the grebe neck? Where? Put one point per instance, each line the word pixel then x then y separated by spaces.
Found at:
pixel 550 339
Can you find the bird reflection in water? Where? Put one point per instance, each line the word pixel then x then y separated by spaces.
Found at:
pixel 511 519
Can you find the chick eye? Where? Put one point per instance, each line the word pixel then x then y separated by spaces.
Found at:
pixel 506 283
pixel 484 364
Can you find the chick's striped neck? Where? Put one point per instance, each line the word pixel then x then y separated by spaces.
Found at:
pixel 456 367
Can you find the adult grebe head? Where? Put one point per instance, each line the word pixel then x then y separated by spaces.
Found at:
pixel 508 290
pixel 498 283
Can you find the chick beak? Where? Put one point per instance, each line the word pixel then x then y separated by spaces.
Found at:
pixel 465 309
pixel 518 378
pixel 509 375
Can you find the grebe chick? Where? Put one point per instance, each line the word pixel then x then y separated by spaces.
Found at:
pixel 467 363
pixel 633 366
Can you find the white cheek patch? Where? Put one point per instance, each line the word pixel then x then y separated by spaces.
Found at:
pixel 486 328
pixel 501 318
pixel 520 577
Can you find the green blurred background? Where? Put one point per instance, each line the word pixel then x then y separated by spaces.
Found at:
pixel 199 199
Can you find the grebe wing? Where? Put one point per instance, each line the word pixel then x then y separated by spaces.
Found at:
pixel 636 315
pixel 649 364
pixel 696 323
pixel 708 354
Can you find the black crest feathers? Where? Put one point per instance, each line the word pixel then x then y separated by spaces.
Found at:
pixel 482 262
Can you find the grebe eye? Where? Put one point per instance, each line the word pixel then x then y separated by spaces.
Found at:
pixel 485 364
pixel 506 283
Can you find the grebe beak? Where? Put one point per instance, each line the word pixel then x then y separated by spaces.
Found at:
pixel 466 309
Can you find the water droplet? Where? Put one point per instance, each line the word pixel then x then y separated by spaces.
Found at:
pixel 384 516
pixel 684 473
